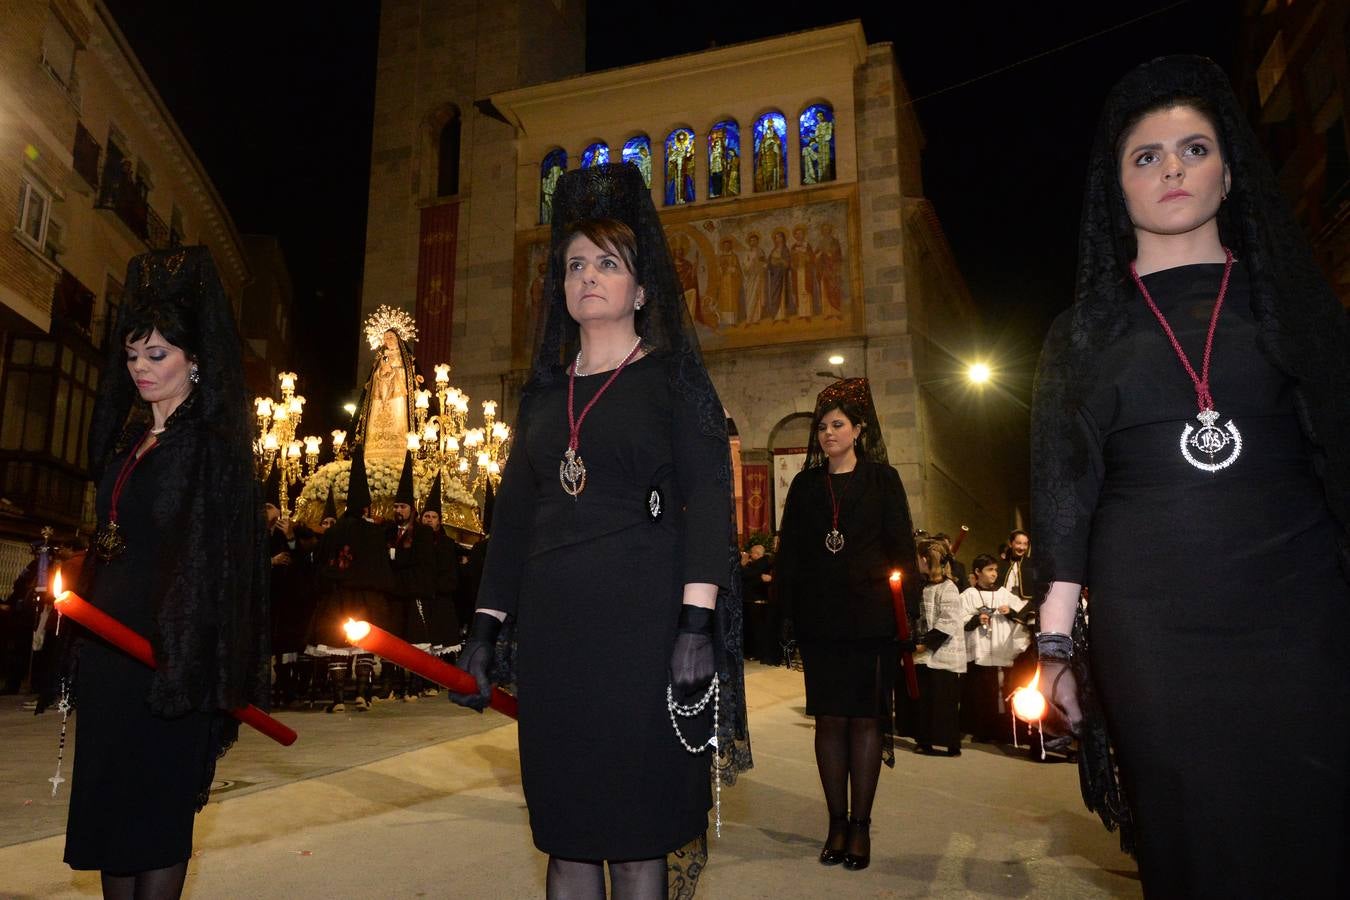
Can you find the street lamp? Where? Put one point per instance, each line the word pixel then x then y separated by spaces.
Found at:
pixel 978 373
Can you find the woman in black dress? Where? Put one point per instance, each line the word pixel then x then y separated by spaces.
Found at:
pixel 180 557
pixel 846 527
pixel 1191 465
pixel 613 551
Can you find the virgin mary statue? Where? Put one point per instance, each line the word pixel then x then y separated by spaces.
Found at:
pixel 384 415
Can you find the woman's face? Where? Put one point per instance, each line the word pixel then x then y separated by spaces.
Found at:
pixel 598 285
pixel 836 433
pixel 158 369
pixel 1171 172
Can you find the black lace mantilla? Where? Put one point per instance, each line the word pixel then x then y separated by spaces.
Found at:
pixel 1302 331
pixel 617 191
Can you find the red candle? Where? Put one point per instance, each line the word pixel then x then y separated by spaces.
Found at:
pixel 902 625
pixel 374 639
pixel 68 603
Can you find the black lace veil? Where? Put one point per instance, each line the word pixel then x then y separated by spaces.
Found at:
pixel 1302 330
pixel 211 633
pixel 617 191
pixel 854 397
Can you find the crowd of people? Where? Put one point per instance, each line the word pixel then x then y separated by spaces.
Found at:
pixel 1205 695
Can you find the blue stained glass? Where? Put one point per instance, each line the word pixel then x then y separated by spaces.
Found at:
pixel 680 165
pixel 550 170
pixel 770 152
pixel 724 159
pixel 595 155
pixel 638 151
pixel 816 131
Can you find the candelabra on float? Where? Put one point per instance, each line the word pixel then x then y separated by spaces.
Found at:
pixel 276 444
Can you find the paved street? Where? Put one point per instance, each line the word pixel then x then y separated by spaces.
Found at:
pixel 423 799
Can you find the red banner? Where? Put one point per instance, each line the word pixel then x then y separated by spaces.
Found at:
pixel 756 498
pixel 436 284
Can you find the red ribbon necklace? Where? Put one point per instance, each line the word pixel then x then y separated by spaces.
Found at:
pixel 834 539
pixel 1209 440
pixel 108 542
pixel 572 471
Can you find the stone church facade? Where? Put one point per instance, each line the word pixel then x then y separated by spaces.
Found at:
pixel 788 173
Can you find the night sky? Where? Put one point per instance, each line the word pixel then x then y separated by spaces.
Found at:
pixel 277 100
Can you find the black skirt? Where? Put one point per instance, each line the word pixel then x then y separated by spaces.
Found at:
pixel 850 678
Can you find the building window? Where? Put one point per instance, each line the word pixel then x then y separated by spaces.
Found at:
pixel 58 51
pixel 447 157
pixel 770 152
pixel 176 230
pixel 86 153
pixel 550 170
pixel 815 131
pixel 680 167
pixel 724 159
pixel 596 154
pixel 638 151
pixel 35 209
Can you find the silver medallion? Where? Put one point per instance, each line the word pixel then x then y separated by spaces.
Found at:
pixel 572 473
pixel 1209 447
pixel 834 541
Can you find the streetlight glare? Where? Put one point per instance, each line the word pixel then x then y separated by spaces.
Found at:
pixel 349 408
pixel 836 360
pixel 978 373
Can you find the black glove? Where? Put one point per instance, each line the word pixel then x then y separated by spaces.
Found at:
pixel 934 639
pixel 1063 714
pixel 691 661
pixel 476 659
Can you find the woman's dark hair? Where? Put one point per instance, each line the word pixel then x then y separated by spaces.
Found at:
pixel 1012 535
pixel 982 561
pixel 176 323
pixel 609 235
pixel 852 411
pixel 1199 104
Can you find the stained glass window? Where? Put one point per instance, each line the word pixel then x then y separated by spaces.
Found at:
pixel 638 151
pixel 680 167
pixel 770 152
pixel 816 130
pixel 595 155
pixel 550 170
pixel 724 159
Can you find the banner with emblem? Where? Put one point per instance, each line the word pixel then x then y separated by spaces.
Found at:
pixel 755 498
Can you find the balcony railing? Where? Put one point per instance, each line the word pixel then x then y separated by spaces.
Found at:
pixel 125 196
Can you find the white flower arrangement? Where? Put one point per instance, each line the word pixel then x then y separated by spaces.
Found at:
pixel 383 479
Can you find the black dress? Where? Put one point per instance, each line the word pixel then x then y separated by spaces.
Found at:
pixel 137 776
pixel 595 583
pixel 841 605
pixel 1217 610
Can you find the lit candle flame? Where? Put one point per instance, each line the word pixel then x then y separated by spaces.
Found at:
pixel 56 584
pixel 1028 703
pixel 355 630
pixel 896 575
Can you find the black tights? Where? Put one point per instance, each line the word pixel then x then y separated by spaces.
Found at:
pixel 152 884
pixel 848 755
pixel 582 879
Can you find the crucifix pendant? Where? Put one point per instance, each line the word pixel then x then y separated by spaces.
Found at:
pixel 572 473
pixel 834 540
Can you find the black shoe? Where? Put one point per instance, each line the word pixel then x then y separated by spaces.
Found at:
pixel 924 749
pixel 830 855
pixel 859 835
pixel 953 751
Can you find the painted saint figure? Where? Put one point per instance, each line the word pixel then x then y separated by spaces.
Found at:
pixel 730 300
pixel 830 272
pixel 803 274
pixel 756 270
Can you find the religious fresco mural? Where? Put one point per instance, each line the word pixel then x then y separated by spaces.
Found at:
pixel 638 151
pixel 781 271
pixel 680 167
pixel 724 159
pixel 595 155
pixel 815 129
pixel 550 170
pixel 770 152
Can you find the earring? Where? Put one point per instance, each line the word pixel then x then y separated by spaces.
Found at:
pixel 194 375
pixel 637 304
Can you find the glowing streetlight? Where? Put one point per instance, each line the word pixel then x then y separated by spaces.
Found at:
pixel 349 408
pixel 836 360
pixel 978 373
